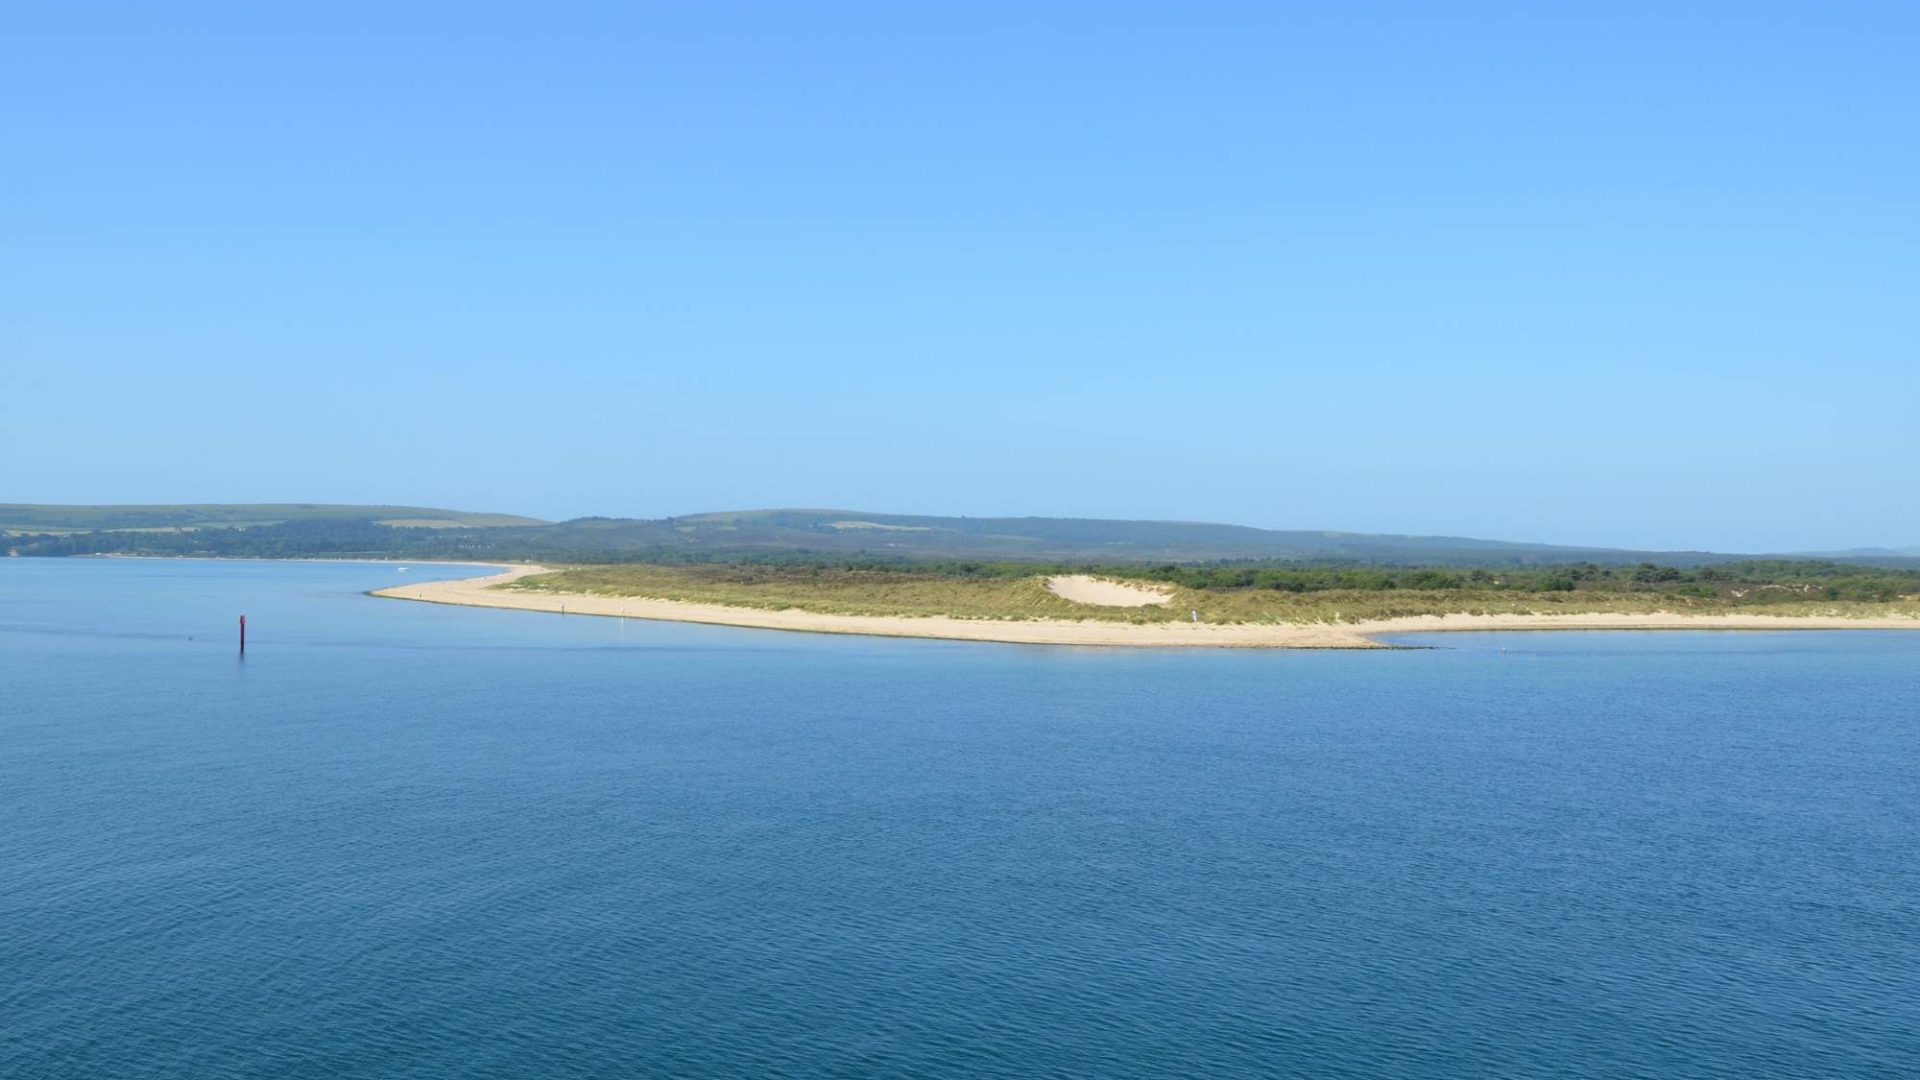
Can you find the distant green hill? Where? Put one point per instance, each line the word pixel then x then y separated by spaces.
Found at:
pixel 17 518
pixel 308 529
pixel 1066 539
pixel 291 530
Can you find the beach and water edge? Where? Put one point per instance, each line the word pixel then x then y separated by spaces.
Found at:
pixel 484 591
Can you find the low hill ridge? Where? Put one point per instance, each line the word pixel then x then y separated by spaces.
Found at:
pixel 284 530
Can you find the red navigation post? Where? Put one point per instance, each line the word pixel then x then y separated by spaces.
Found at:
pixel 243 635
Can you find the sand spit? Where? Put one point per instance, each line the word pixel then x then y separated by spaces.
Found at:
pixel 480 592
pixel 1082 589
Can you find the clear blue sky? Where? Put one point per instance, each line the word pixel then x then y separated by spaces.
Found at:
pixel 1629 274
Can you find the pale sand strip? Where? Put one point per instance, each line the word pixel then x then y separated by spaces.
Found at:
pixel 1082 589
pixel 479 592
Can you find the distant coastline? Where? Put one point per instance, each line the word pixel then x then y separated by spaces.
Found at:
pixel 484 592
pixel 368 560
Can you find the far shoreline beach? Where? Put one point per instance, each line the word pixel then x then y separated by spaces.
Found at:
pixel 481 592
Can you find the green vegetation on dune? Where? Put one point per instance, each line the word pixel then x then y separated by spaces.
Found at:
pixel 833 590
pixel 1749 583
pixel 1260 594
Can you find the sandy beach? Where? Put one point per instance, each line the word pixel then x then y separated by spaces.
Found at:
pixel 479 592
pixel 1082 589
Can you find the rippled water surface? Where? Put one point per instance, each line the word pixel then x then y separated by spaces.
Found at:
pixel 400 840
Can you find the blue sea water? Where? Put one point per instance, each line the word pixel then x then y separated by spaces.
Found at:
pixel 403 840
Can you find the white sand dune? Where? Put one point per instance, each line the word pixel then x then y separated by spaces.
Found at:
pixel 1082 589
pixel 479 592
